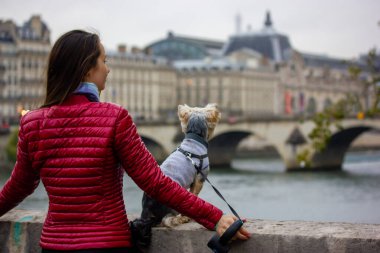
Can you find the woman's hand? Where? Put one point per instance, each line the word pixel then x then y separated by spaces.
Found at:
pixel 226 221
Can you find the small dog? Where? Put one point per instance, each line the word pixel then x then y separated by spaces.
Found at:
pixel 198 125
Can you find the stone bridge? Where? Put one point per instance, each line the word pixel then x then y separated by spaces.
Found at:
pixel 161 139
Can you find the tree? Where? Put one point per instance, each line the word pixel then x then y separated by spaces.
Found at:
pixel 368 75
pixel 332 115
pixel 367 72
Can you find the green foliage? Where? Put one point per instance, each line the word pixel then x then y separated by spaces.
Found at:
pixel 369 76
pixel 333 115
pixel 304 158
pixel 320 135
pixel 11 147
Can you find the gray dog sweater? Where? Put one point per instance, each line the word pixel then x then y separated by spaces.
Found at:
pixel 179 168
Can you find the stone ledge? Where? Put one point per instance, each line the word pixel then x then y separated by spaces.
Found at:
pixel 20 231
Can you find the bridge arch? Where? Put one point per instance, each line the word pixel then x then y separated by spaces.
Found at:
pixel 160 140
pixel 222 147
pixel 332 157
pixel 155 148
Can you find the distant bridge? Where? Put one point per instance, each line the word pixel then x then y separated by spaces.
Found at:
pixel 161 140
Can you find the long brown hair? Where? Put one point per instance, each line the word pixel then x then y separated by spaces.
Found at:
pixel 70 59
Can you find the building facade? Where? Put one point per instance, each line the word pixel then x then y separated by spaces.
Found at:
pixel 253 75
pixel 312 83
pixel 243 88
pixel 309 83
pixel 23 57
pixel 143 84
pixel 176 47
pixel 267 41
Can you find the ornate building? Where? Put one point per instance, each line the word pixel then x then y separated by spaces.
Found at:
pixel 313 82
pixel 243 85
pixel 143 84
pixel 267 41
pixel 23 56
pixel 309 83
pixel 252 75
pixel 256 73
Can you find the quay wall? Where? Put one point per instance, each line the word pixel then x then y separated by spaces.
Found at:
pixel 20 231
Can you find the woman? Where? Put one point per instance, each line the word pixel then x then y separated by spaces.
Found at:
pixel 79 148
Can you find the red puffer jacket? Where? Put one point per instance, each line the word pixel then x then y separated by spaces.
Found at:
pixel 79 150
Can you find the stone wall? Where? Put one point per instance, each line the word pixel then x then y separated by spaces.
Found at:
pixel 20 231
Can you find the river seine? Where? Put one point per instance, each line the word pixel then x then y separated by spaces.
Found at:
pixel 260 189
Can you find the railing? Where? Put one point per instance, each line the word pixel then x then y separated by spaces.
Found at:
pixel 236 120
pixel 20 232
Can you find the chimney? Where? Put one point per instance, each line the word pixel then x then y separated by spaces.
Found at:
pixel 238 23
pixel 36 25
pixel 149 51
pixel 122 48
pixel 136 50
pixel 249 28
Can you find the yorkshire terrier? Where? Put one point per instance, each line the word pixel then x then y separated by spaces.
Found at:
pixel 187 165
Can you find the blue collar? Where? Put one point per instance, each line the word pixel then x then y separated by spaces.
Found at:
pixel 90 90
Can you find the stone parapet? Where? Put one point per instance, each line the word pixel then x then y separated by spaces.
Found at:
pixel 20 231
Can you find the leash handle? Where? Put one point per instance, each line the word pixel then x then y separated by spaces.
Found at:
pixel 216 190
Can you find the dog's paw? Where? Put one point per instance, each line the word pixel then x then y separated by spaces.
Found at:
pixel 182 219
pixel 171 221
pixel 167 221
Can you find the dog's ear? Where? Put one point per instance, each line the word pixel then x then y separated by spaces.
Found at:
pixel 212 118
pixel 213 113
pixel 183 115
pixel 183 112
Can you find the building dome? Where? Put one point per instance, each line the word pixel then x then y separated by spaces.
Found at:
pixel 268 42
pixel 176 47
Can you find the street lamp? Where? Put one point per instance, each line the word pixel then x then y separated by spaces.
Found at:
pixel 296 138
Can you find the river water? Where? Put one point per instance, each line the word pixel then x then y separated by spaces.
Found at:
pixel 260 189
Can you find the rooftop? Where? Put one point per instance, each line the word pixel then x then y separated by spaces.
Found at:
pixel 267 41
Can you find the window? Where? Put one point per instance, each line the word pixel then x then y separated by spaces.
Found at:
pixel 327 103
pixel 311 106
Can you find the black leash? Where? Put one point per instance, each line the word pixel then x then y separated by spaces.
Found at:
pixel 199 170
pixel 218 244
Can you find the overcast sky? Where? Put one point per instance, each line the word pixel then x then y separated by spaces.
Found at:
pixel 338 28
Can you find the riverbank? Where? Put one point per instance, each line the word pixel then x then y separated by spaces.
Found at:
pixel 20 232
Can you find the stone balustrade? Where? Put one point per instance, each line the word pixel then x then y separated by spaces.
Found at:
pixel 20 231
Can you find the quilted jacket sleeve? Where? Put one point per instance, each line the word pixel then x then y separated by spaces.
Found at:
pixel 23 180
pixel 144 170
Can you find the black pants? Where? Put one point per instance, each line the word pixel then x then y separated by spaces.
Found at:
pixel 110 250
